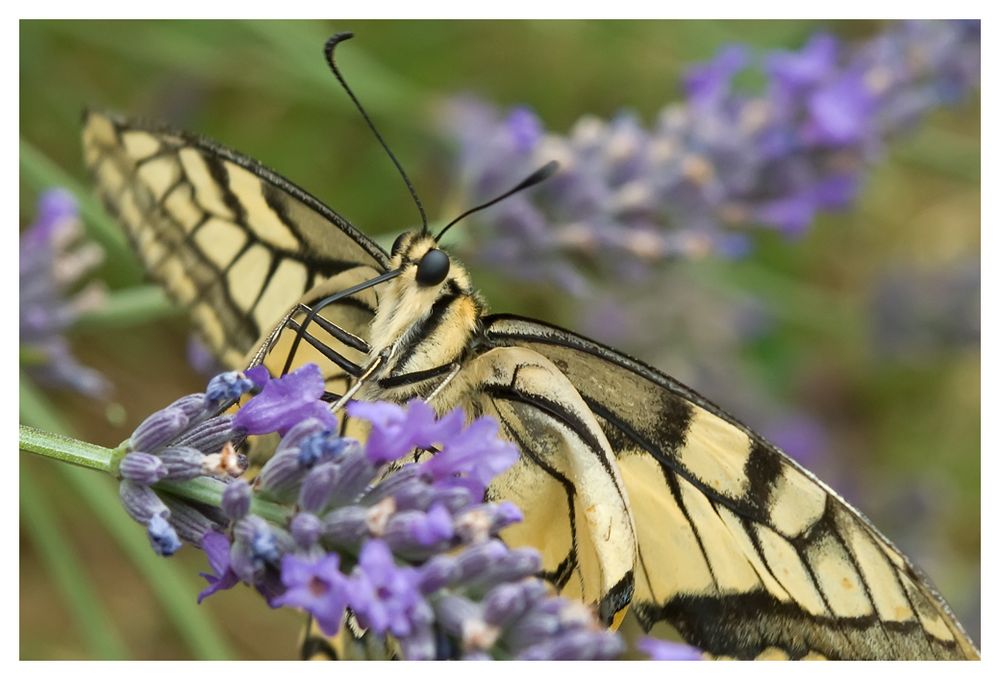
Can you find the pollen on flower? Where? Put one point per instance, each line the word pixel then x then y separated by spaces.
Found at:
pixel 377 517
pixel 225 463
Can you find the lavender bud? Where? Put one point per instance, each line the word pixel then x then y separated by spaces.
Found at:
pixel 141 502
pixel 477 561
pixel 158 429
pixel 317 487
pixel 306 529
pixel 508 601
pixel 258 544
pixel 226 387
pixel 355 474
pixel 162 536
pixel 417 495
pixel 536 625
pixel 416 534
pixel 576 644
pixel 300 432
pixel 192 405
pixel 453 611
pixel 323 446
pixel 236 499
pixel 281 475
pixel 243 564
pixel 454 498
pixel 182 462
pixel 142 468
pixel 346 527
pixel 419 644
pixel 398 482
pixel 209 436
pixel 191 524
pixel 436 573
pixel 516 564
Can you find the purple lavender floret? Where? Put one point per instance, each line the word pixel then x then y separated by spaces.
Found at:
pixel 318 587
pixel 712 168
pixel 53 260
pixel 284 403
pixel 216 547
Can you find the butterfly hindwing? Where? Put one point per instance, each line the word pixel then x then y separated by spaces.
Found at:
pixel 739 548
pixel 228 238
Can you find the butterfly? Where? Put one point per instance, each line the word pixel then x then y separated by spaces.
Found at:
pixel 646 500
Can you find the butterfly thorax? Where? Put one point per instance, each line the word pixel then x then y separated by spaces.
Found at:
pixel 420 327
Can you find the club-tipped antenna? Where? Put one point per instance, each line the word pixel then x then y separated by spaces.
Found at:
pixel 328 50
pixel 538 176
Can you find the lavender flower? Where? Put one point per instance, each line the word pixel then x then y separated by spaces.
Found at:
pixel 53 260
pixel 409 547
pixel 317 587
pixel 216 547
pixel 187 439
pixel 724 160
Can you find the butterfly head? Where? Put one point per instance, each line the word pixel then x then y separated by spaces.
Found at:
pixel 429 283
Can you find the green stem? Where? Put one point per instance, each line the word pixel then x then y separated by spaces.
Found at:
pixel 65 449
pixel 83 454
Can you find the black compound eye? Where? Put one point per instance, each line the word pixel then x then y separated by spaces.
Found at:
pixel 433 267
pixel 397 244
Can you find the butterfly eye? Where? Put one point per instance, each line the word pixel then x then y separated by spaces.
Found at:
pixel 397 244
pixel 433 267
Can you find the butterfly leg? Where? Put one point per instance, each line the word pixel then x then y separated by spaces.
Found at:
pixel 335 331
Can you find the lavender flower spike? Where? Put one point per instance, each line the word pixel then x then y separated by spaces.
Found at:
pixel 411 548
pixel 53 259
pixel 714 167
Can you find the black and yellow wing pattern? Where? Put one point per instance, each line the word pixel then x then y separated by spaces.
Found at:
pixel 229 239
pixel 740 549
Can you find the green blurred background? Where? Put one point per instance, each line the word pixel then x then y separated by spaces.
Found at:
pixel 901 420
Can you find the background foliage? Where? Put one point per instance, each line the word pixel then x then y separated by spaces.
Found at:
pixel 896 405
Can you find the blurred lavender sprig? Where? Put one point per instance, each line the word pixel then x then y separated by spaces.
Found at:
pixel 402 541
pixel 713 166
pixel 53 260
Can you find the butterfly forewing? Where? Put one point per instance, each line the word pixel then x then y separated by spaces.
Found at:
pixel 226 237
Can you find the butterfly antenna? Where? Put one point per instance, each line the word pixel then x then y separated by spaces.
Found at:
pixel 537 177
pixel 328 50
